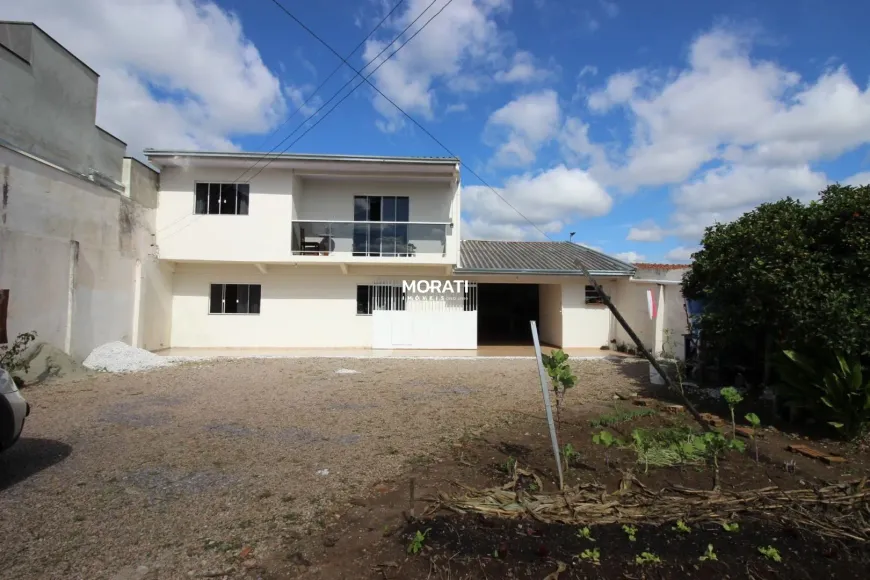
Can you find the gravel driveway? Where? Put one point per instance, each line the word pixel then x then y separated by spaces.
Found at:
pixel 172 473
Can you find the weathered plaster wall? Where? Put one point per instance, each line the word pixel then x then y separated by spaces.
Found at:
pixel 68 253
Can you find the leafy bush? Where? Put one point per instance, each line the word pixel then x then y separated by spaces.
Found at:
pixel 837 391
pixel 11 357
pixel 786 275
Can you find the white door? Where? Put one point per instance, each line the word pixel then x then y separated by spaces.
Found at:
pixel 402 329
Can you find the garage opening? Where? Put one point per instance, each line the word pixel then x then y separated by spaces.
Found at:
pixel 504 312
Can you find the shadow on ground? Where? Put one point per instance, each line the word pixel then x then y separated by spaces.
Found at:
pixel 30 456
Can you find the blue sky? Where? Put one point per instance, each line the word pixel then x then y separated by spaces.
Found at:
pixel 634 124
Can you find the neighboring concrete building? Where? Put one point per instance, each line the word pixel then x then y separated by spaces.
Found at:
pixel 664 334
pixel 77 254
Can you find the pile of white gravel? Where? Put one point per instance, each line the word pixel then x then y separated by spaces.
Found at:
pixel 117 357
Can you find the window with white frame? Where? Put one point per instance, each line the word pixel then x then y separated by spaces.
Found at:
pixel 222 198
pixel 234 299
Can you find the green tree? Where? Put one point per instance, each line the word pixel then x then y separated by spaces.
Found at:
pixel 786 275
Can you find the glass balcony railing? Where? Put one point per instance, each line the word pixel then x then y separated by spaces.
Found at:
pixel 372 239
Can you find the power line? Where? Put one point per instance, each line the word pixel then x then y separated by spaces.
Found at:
pixel 410 118
pixel 314 92
pixel 332 74
pixel 349 93
pixel 302 124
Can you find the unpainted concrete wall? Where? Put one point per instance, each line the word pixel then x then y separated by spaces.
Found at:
pixel 68 252
pixel 48 103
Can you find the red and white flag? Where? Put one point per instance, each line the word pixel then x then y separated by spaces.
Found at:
pixel 652 305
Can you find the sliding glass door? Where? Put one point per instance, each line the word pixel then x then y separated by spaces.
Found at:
pixel 383 239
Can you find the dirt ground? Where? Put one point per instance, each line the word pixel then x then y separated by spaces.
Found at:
pixel 372 539
pixel 242 468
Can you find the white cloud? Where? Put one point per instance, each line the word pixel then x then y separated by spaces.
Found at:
pixel 646 232
pixel 611 9
pixel 194 51
pixel 523 69
pixel 549 199
pixel 464 36
pixel 728 107
pixel 630 257
pixel 456 108
pixel 529 122
pixel 619 90
pixel 681 254
pixel 858 179
pixel 746 186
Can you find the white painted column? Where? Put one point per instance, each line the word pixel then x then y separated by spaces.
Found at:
pixel 71 295
pixel 137 303
pixel 659 334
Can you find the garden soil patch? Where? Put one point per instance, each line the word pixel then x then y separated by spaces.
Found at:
pixel 372 538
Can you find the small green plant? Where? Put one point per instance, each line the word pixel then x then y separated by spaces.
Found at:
pixel 570 454
pixel 770 553
pixel 667 447
pixel 618 417
pixel 606 440
pixel 631 532
pixel 754 424
pixel 509 466
pixel 11 357
pixel 717 445
pixel 561 377
pixel 732 397
pixel 417 541
pixel 682 527
pixel 585 533
pixel 709 554
pixel 730 526
pixel 647 558
pixel 591 555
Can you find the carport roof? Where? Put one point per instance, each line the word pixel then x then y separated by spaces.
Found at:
pixel 553 258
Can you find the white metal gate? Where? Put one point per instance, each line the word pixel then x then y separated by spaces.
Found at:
pixel 414 320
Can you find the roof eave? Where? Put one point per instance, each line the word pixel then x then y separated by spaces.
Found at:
pixel 156 153
pixel 542 272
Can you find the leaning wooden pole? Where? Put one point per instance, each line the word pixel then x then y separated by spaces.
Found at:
pixel 641 347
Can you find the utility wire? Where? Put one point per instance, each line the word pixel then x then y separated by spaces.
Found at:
pixel 349 93
pixel 311 96
pixel 410 118
pixel 312 115
pixel 332 74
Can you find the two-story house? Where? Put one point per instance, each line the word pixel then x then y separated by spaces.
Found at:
pixel 331 251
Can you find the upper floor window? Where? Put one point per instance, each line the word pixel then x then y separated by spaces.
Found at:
pixel 222 198
pixel 387 239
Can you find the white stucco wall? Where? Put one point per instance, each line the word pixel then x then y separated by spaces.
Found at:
pixel 550 313
pixel 68 250
pixel 277 197
pixel 584 325
pixel 309 307
pixel 261 236
pixel 631 300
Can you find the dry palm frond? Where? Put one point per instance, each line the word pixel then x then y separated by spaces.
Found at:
pixel 838 510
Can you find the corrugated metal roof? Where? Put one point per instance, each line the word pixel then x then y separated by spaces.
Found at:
pixel 482 256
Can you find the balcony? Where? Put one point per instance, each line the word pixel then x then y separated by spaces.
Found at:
pixel 365 239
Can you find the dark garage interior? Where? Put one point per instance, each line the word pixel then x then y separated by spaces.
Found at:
pixel 504 312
